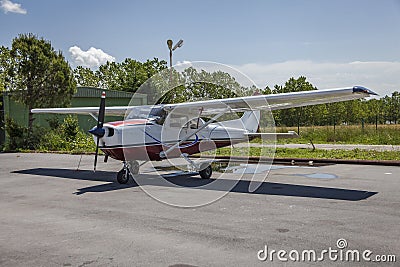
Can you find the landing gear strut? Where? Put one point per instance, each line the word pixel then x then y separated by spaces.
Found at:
pixel 130 168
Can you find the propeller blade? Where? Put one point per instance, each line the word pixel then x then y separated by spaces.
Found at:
pixel 102 110
pixel 95 155
pixel 100 122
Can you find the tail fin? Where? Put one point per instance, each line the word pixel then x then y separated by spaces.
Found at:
pixel 251 120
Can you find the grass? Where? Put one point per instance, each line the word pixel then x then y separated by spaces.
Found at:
pixel 345 134
pixel 358 154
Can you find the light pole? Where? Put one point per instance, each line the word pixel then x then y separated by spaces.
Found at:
pixel 169 44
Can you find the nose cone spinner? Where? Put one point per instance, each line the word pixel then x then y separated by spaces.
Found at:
pixel 97 131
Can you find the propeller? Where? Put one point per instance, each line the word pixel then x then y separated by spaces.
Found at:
pixel 98 131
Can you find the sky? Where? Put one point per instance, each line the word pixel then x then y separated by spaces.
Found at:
pixel 333 43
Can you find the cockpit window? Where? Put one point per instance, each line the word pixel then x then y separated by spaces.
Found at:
pixel 194 123
pixel 152 113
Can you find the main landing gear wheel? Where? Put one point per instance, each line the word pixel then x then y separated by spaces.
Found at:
pixel 206 172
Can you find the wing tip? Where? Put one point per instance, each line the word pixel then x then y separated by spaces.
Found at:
pixel 362 89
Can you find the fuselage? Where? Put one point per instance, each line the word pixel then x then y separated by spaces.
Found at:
pixel 144 139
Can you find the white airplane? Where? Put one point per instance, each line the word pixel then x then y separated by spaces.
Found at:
pixel 157 132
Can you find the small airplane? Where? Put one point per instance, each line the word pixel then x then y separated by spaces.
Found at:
pixel 165 131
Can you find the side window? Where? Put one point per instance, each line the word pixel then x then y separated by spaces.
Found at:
pixel 160 120
pixel 178 121
pixel 195 123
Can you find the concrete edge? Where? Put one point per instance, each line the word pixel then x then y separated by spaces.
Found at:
pixel 307 160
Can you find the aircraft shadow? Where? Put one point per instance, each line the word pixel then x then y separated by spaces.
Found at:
pixel 266 188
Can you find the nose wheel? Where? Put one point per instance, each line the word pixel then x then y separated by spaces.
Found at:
pixel 123 176
pixel 130 168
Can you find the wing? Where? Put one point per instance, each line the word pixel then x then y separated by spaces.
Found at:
pixel 217 106
pixel 272 101
pixel 117 111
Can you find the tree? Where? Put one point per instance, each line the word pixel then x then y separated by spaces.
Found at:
pixel 40 77
pixel 387 108
pixel 154 66
pixel 193 85
pixel 132 75
pixel 395 106
pixel 292 116
pixel 5 61
pixel 86 77
pixel 128 75
pixel 153 77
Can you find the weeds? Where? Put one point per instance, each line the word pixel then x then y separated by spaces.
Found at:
pixel 311 154
pixel 346 134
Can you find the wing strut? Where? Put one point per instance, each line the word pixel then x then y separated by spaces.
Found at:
pixel 198 118
pixel 93 116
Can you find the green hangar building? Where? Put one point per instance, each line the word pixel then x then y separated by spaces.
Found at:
pixel 84 97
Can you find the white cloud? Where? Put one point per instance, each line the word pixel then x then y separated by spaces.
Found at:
pixel 380 76
pixel 185 62
pixel 91 58
pixel 9 6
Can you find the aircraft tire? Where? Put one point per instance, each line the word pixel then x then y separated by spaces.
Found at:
pixel 206 172
pixel 123 176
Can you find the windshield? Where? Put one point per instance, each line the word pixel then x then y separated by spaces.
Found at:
pixel 154 113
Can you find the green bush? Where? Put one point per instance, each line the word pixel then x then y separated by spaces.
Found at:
pixel 53 141
pixel 54 122
pixel 19 137
pixel 65 136
pixel 69 129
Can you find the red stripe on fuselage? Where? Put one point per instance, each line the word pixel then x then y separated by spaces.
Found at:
pixel 152 152
pixel 127 122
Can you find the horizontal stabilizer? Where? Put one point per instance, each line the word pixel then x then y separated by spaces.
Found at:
pixel 265 136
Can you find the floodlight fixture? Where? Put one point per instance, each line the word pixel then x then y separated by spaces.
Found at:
pixel 178 44
pixel 169 43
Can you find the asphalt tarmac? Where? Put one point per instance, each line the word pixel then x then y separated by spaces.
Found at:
pixel 52 214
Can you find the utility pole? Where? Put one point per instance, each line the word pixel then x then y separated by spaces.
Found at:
pixel 171 49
